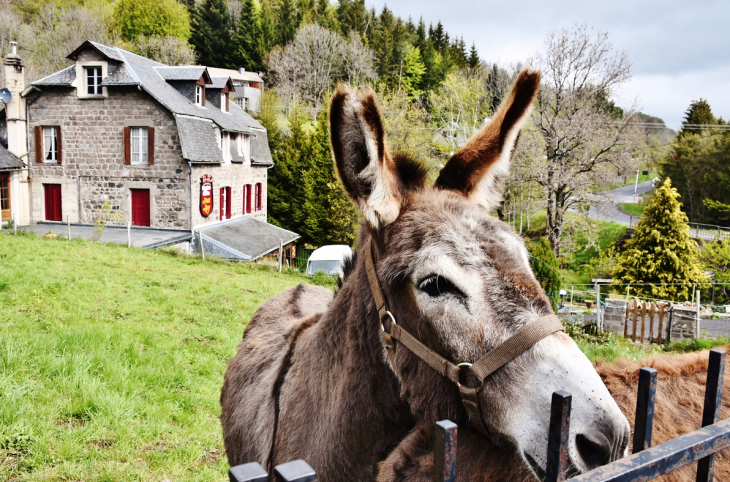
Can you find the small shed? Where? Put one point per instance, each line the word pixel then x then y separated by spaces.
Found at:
pixel 330 259
pixel 244 238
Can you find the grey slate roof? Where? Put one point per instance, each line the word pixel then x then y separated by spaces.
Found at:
pixel 8 161
pixel 193 72
pixel 260 153
pixel 218 82
pixel 119 75
pixel 148 74
pixel 198 140
pixel 244 238
pixel 62 77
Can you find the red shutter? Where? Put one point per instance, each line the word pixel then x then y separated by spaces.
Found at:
pixel 258 196
pixel 222 204
pixel 38 144
pixel 127 145
pixel 59 145
pixel 151 145
pixel 228 203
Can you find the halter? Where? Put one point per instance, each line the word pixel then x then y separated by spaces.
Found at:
pixel 515 345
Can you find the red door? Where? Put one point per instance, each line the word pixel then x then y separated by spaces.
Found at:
pixel 140 207
pixel 52 193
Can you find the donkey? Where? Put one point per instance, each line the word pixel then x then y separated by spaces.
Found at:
pixel 681 381
pixel 334 380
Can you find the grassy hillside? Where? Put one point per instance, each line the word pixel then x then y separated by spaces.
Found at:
pixel 112 359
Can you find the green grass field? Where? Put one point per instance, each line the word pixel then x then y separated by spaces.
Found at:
pixel 112 359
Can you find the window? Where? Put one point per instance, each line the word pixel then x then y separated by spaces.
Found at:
pixel 139 145
pixel 219 138
pixel 258 196
pixel 199 95
pixel 225 204
pixel 246 198
pixel 93 80
pixel 50 144
pixel 224 102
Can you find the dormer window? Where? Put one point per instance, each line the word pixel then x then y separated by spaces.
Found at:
pixel 199 95
pixel 93 80
pixel 224 102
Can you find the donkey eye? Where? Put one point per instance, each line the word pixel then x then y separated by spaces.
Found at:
pixel 435 286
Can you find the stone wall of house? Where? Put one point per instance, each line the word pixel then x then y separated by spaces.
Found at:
pixel 233 175
pixel 92 170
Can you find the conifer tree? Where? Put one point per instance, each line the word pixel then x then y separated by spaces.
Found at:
pixel 211 37
pixel 245 43
pixel 352 15
pixel 287 21
pixel 473 60
pixel 661 252
pixel 330 216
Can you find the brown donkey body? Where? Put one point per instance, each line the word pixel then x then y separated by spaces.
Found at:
pixel 313 379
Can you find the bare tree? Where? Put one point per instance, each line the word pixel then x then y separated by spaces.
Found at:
pixel 314 60
pixel 584 140
pixel 460 106
pixel 168 50
pixel 357 61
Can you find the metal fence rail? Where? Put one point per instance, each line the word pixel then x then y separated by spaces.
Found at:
pixel 646 462
pixel 706 232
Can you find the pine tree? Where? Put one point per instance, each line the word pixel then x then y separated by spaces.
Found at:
pixel 352 15
pixel 546 268
pixel 699 112
pixel 473 60
pixel 330 217
pixel 245 43
pixel 211 37
pixel 661 252
pixel 287 21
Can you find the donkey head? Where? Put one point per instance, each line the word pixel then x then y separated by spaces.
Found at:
pixel 459 280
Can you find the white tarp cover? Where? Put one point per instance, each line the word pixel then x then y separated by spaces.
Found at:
pixel 329 259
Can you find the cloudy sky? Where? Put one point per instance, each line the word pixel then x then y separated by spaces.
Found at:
pixel 679 50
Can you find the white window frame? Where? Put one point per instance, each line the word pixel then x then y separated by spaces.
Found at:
pixel 139 146
pixel 199 95
pixel 96 78
pixel 246 147
pixel 50 134
pixel 223 102
pixel 226 146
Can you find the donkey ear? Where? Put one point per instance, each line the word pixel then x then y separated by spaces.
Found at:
pixel 476 169
pixel 366 169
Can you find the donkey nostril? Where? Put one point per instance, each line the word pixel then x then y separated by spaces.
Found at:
pixel 595 450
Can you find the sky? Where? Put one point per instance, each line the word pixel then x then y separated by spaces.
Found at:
pixel 679 50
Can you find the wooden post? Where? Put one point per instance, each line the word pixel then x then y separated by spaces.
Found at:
pixel 598 306
pixel 643 317
pixel 202 249
pixel 281 253
pixel 129 233
pixel 652 312
pixel 252 472
pixel 68 225
pixel 662 311
pixel 711 411
pixel 558 437
pixel 15 225
pixel 444 451
pixel 697 326
pixel 626 319
pixel 644 409
pixel 571 291
pixel 636 319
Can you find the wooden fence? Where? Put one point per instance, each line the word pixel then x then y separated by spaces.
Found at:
pixel 646 462
pixel 654 313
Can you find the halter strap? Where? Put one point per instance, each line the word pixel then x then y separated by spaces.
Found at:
pixel 510 349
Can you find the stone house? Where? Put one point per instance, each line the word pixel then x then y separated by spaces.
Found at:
pixel 163 145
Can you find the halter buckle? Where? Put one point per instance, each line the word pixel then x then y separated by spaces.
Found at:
pixel 461 366
pixel 392 321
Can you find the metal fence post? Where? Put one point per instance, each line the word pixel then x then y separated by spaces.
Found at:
pixel 645 409
pixel 252 472
pixel 557 451
pixel 444 451
pixel 711 412
pixel 295 471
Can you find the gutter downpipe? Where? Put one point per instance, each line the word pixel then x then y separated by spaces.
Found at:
pixel 192 231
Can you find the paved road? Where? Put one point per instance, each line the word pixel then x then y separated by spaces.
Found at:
pixel 141 237
pixel 611 212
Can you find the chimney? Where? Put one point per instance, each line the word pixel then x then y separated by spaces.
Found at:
pixel 15 109
pixel 242 70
